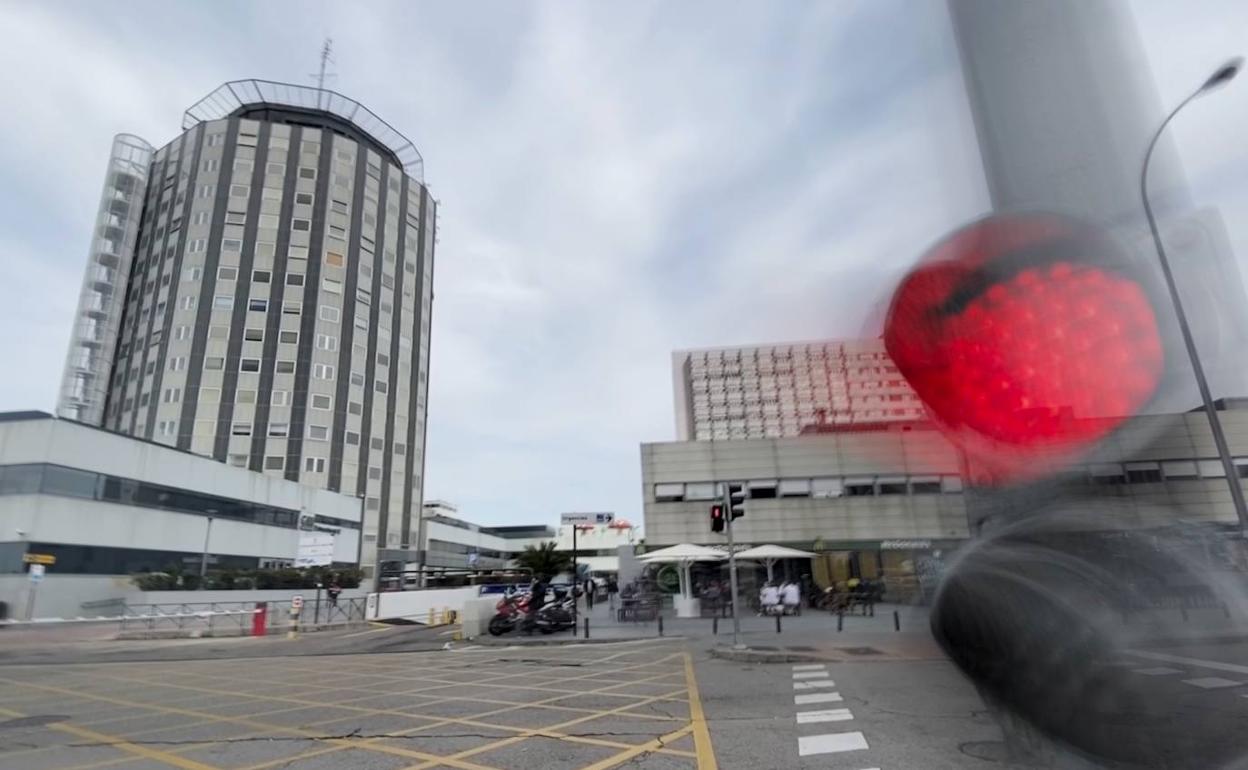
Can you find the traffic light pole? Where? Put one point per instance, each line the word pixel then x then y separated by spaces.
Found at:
pixel 732 571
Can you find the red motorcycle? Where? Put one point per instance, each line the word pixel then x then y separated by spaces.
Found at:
pixel 511 610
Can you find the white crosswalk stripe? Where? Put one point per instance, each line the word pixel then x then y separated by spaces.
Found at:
pixel 816 684
pixel 831 743
pixel 827 715
pixel 817 697
pixel 810 667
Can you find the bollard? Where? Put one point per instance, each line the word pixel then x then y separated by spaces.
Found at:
pixel 660 625
pixel 715 625
pixel 777 624
pixel 260 619
pixel 896 621
pixel 840 619
pixel 586 628
pixel 293 631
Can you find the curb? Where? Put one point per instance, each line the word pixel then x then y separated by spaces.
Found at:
pixel 503 641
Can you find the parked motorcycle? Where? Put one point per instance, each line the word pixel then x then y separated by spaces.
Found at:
pixel 511 610
pixel 556 616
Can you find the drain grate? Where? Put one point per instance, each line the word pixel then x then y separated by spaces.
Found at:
pixel 860 650
pixel 38 720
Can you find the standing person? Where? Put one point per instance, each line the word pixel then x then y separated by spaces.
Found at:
pixel 537 598
pixel 769 597
pixel 791 594
pixel 589 593
pixel 333 591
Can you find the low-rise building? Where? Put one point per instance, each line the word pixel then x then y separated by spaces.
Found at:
pixel 103 504
pixel 891 502
pixel 452 542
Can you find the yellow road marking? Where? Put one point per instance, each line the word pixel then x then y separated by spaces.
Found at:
pixel 122 745
pixel 697 720
pixel 367 631
pixel 653 746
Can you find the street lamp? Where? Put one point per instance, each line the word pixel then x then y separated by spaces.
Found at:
pixel 203 557
pixel 1223 75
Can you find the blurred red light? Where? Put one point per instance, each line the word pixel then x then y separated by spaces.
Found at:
pixel 1021 340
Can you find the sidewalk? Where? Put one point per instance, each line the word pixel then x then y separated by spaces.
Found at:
pixel 813 633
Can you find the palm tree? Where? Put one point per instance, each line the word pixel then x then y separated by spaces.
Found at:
pixel 543 560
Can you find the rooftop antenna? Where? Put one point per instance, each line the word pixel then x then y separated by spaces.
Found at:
pixel 326 57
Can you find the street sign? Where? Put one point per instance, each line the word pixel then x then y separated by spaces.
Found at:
pixel 314 549
pixel 296 602
pixel 473 558
pixel 588 518
pixel 38 558
pixel 36 572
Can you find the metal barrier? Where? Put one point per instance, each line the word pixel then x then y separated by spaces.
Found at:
pixel 207 618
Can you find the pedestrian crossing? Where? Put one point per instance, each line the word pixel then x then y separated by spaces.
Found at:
pixel 1200 682
pixel 815 676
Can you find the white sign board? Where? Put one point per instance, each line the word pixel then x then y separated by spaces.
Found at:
pixel 588 518
pixel 315 549
pixel 36 572
pixel 296 602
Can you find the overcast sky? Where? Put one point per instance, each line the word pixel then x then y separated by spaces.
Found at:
pixel 617 180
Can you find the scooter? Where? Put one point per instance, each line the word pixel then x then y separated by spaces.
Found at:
pixel 556 616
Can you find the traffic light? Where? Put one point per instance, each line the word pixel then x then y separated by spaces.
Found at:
pixel 736 500
pixel 717 518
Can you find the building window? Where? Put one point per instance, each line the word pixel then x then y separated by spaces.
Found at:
pixel 284 367
pixel 239 190
pixel 314 464
pixel 275 168
pixel 209 395
pixel 187 303
pixel 323 371
pixel 231 245
pixel 167 427
pixel 218 332
pixel 355 407
pixel 192 273
pixel 278 429
pixel 374 472
pixel 253 335
pixel 238 460
pixel 249 365
pixel 352 438
pixel 182 333
pixel 357 378
pixel 294 279
pixel 303 198
pixel 280 398
pixel 235 218
pixel 333 258
pixel 214 363
pixel 240 429
pixel 400 449
pixel 245 397
pixel 288 337
pixel 331 285
pixel 328 312
pixel 260 276
pixel 302 225
pixel 223 302
pixel 321 401
pixel 380 386
pixel 274 462
pixel 292 307
pixel 258 305
pixel 326 342
pixel 377 443
pixel 383 359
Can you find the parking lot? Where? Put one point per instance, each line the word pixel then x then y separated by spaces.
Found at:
pixel 589 706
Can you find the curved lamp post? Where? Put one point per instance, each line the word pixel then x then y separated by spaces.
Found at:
pixel 1223 75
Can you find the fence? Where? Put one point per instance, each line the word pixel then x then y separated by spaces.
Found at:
pixel 235 618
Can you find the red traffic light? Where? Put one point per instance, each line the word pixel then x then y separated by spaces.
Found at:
pixel 1028 339
pixel 717 518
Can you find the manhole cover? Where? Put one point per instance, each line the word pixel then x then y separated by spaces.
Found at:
pixel 34 721
pixel 860 650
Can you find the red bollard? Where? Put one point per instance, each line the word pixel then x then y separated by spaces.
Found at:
pixel 260 619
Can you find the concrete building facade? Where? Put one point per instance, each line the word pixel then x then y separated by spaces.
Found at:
pixel 778 390
pixel 889 503
pixel 109 505
pixel 268 300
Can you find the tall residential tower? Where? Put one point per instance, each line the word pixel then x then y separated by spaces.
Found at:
pixel 259 290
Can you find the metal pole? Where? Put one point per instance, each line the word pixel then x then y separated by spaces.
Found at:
pixel 317 619
pixel 203 559
pixel 575 580
pixel 732 572
pixel 1206 398
pixel 30 600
